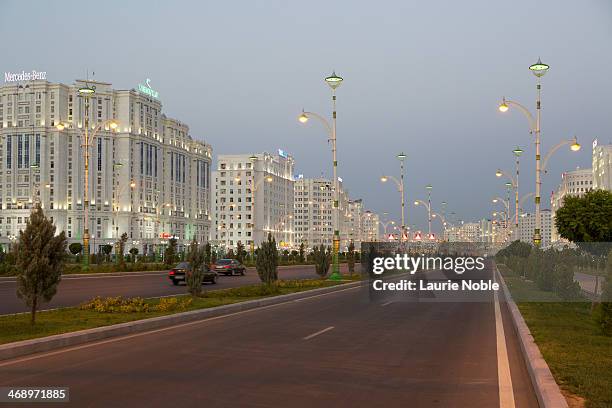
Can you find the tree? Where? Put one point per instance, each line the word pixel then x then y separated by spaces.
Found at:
pixel 75 248
pixel 586 220
pixel 302 252
pixel 107 249
pixel 40 260
pixel 230 254
pixel 322 260
pixel 208 257
pixel 351 258
pixel 120 249
pixel 267 261
pixel 564 284
pixel 170 252
pixel 196 257
pixel 240 252
pixel 134 252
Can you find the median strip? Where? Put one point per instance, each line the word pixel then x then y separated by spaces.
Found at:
pixel 134 325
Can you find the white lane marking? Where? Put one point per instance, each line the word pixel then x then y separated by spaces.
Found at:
pixel 146 333
pixel 506 393
pixel 386 303
pixel 319 332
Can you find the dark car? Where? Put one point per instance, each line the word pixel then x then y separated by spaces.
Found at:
pixel 229 267
pixel 177 274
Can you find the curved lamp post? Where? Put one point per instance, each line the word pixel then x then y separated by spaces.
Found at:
pixel 87 138
pixel 428 206
pixel 400 187
pixel 333 81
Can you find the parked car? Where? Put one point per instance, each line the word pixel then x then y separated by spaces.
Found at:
pixel 229 267
pixel 177 274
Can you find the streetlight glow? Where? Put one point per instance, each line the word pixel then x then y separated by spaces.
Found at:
pixel 574 147
pixel 503 107
pixel 499 173
pixel 401 156
pixel 517 151
pixel 60 126
pixel 384 179
pixel 86 90
pixel 303 118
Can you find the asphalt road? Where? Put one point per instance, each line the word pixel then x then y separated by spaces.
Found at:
pixel 334 350
pixel 74 290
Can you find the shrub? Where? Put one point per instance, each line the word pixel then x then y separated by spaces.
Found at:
pixel 322 260
pixel 564 284
pixel 117 304
pixel 75 248
pixel 267 261
pixel 170 304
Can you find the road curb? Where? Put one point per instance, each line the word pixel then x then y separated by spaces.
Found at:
pixel 546 388
pixel 25 347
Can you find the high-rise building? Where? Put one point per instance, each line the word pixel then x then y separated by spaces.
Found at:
pixel 602 166
pixel 573 183
pixel 147 177
pixel 315 214
pixel 370 227
pixel 254 196
pixel 527 225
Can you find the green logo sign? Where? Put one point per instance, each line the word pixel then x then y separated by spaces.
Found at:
pixel 147 90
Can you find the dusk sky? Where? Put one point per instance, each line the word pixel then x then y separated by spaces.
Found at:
pixel 420 77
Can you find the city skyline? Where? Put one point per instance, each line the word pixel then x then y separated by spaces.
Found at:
pixel 442 114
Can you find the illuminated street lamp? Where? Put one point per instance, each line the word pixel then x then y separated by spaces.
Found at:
pixel 87 138
pixel 539 69
pixel 333 81
pixel 400 187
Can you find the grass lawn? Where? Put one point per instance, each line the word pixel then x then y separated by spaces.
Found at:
pixel 17 327
pixel 579 356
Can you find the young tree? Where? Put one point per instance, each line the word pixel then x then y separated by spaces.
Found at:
pixel 564 284
pixel 267 261
pixel 107 249
pixel 351 258
pixel 302 252
pixel 120 249
pixel 240 252
pixel 170 252
pixel 208 257
pixel 75 248
pixel 230 254
pixel 195 274
pixel 133 252
pixel 322 260
pixel 40 260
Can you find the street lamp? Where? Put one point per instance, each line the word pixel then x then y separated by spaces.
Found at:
pixel 333 81
pixel 574 147
pixel 517 154
pixel 400 187
pixel 428 206
pixel 87 138
pixel 539 69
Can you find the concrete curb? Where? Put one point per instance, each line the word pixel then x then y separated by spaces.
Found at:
pixel 546 388
pixel 22 348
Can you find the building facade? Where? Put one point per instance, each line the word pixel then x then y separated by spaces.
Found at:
pixel 254 196
pixel 527 225
pixel 315 215
pixel 602 166
pixel 573 183
pixel 147 177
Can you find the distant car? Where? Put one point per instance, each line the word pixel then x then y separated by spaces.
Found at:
pixel 177 274
pixel 229 267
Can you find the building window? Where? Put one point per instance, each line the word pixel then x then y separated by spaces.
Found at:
pixel 99 154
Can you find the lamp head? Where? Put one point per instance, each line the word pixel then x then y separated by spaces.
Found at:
pixel 113 125
pixel 429 187
pixel 517 151
pixel 503 107
pixel 333 80
pixel 401 156
pixel 236 179
pixel 416 203
pixel 303 118
pixel 508 184
pixel 499 173
pixel 494 200
pixel 539 68
pixel 269 179
pixel 132 184
pixel 87 90
pixel 60 126
pixel 574 147
pixel 384 179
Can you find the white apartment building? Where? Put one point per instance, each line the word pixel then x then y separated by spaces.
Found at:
pixel 254 196
pixel 573 183
pixel 315 215
pixel 371 227
pixel 147 177
pixel 602 166
pixel 355 222
pixel 527 226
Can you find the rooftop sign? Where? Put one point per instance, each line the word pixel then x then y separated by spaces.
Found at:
pixel 147 90
pixel 24 76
